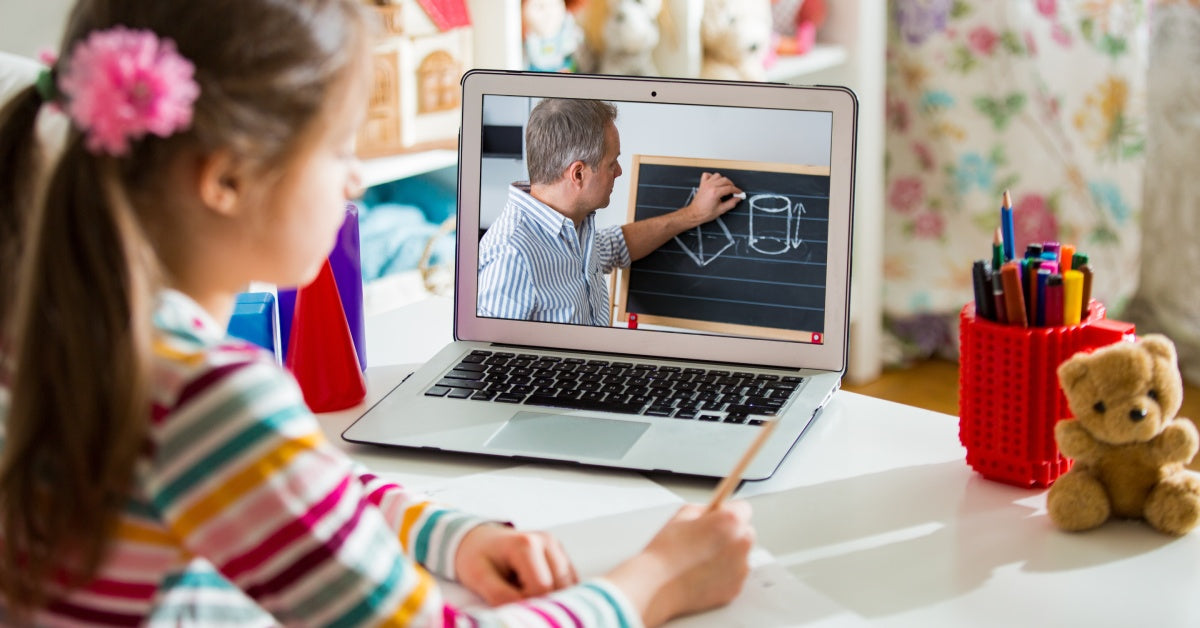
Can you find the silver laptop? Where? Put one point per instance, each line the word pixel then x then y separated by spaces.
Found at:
pixel 726 325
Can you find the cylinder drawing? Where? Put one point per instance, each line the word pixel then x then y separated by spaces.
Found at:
pixel 771 230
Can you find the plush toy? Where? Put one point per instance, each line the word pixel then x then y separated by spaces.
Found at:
pixel 735 37
pixel 620 36
pixel 1129 449
pixel 796 23
pixel 550 36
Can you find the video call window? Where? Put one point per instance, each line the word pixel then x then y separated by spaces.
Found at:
pixel 758 270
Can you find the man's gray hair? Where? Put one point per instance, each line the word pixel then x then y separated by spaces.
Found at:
pixel 563 130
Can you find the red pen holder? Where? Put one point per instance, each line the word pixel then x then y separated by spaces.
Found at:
pixel 1008 393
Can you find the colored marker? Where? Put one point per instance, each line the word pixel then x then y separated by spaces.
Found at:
pixel 1031 296
pixel 1000 307
pixel 1014 297
pixel 1033 250
pixel 1072 295
pixel 979 281
pixel 1066 257
pixel 1085 297
pixel 1054 301
pixel 1043 277
pixel 1006 223
pixel 1051 246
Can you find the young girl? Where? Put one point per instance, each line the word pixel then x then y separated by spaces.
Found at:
pixel 156 472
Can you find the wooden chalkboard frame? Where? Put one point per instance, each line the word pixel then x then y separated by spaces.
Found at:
pixel 621 290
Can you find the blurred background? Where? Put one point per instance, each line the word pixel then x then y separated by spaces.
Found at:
pixel 1087 111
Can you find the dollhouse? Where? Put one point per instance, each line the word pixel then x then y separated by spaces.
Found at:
pixel 418 61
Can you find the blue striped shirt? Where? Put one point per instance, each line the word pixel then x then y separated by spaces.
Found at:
pixel 534 265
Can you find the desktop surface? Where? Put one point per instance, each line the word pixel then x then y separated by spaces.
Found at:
pixel 875 514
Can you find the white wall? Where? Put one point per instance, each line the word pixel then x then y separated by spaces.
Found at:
pixel 29 26
pixel 686 131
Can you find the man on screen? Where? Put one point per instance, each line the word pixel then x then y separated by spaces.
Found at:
pixel 544 259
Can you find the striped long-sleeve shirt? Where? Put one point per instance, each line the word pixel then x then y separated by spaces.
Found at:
pixel 534 264
pixel 242 513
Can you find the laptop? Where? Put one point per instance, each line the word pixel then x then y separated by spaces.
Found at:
pixel 739 321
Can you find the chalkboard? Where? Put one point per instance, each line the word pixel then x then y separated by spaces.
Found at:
pixel 758 270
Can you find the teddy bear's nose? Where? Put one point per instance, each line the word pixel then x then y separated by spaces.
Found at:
pixel 1137 414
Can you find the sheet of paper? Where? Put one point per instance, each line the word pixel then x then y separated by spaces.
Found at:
pixel 604 517
pixel 539 497
pixel 772 597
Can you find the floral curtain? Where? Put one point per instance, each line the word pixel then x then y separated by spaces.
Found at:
pixel 1168 296
pixel 1045 98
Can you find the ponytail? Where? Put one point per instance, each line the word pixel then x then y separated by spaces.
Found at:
pixel 20 160
pixel 80 395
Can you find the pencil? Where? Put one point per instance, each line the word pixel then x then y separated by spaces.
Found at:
pixel 997 250
pixel 1006 224
pixel 726 487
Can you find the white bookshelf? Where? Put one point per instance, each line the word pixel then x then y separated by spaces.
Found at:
pixel 793 68
pixel 384 169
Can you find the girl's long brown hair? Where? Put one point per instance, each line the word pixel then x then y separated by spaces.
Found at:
pixel 75 328
pixel 20 157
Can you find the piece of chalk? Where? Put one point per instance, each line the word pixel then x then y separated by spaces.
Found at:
pixel 741 195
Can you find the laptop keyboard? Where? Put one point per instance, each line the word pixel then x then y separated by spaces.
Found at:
pixel 612 386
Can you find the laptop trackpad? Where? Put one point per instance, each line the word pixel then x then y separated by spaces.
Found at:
pixel 564 435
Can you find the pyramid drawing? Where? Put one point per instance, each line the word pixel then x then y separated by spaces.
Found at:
pixel 705 242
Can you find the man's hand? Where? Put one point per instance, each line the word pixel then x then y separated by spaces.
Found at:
pixel 707 205
pixel 642 237
pixel 504 565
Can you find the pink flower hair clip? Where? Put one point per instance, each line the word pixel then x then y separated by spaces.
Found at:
pixel 120 84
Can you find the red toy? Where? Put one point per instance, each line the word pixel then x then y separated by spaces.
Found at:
pixel 1009 397
pixel 321 352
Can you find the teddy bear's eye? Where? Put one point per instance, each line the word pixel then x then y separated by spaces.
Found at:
pixel 1153 394
pixel 1099 407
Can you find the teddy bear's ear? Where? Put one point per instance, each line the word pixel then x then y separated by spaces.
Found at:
pixel 1159 346
pixel 1073 370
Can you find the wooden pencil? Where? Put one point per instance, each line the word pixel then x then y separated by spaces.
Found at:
pixel 727 486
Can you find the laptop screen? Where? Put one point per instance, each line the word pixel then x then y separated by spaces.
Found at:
pixel 566 259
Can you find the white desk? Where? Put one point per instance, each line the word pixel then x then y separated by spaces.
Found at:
pixel 877 512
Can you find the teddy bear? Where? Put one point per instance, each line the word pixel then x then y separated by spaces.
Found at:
pixel 621 36
pixel 1129 448
pixel 735 38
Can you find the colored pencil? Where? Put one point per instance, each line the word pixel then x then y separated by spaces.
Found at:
pixel 1006 223
pixel 727 486
pixel 997 250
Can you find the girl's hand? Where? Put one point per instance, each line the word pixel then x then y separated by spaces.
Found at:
pixel 699 560
pixel 504 565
